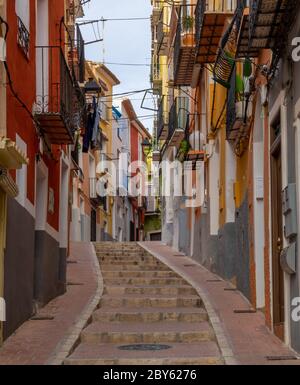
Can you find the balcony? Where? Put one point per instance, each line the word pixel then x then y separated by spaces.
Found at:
pixel 270 22
pixel 243 48
pixel 196 140
pixel 211 16
pixel 163 30
pixel 162 120
pixel 80 62
pixel 156 78
pixel 239 112
pixel 184 47
pixel 178 118
pixel 23 37
pixel 59 106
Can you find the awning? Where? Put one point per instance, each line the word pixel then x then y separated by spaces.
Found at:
pixel 7 184
pixel 11 157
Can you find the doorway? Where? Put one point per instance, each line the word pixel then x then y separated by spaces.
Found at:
pixel 93 225
pixel 277 231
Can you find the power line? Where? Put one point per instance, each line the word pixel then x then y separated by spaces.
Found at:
pixel 127 93
pixel 129 64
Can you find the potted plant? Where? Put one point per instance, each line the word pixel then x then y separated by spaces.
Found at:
pixel 239 96
pixel 187 29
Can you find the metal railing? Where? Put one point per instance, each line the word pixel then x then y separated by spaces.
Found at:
pixel 161 117
pixel 56 89
pixel 162 26
pixel 23 37
pixel 178 116
pixel 80 55
pixel 231 107
pixel 211 6
pixel 185 34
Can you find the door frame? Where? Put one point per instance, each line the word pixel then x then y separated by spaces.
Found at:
pixel 278 288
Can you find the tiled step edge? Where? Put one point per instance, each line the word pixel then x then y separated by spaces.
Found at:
pixel 226 351
pixel 71 340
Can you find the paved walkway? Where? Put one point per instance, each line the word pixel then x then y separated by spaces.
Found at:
pixel 36 342
pixel 248 338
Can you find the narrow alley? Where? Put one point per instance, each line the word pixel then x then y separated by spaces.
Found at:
pixel 149 183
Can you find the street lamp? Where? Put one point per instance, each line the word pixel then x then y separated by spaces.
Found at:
pixel 146 146
pixel 92 89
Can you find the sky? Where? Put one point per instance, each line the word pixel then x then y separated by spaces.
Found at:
pixel 123 42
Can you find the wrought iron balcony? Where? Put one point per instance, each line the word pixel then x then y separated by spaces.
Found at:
pixel 195 139
pixel 163 31
pixel 80 62
pixel 156 78
pixel 23 37
pixel 162 120
pixel 184 47
pixel 270 22
pixel 59 103
pixel 211 16
pixel 225 61
pixel 178 118
pixel 238 115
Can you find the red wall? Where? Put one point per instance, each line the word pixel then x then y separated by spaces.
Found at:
pixel 134 143
pixel 23 75
pixel 22 72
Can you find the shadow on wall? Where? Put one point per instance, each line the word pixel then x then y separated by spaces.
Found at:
pixel 226 254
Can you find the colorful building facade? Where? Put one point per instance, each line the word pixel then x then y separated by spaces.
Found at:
pixel 41 102
pixel 228 100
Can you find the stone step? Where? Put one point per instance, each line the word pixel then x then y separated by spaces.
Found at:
pixel 176 314
pixel 136 267
pixel 204 353
pixel 151 289
pixel 149 333
pixel 138 274
pixel 130 259
pixel 121 253
pixel 152 301
pixel 143 281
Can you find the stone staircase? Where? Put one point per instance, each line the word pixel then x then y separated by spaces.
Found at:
pixel 147 315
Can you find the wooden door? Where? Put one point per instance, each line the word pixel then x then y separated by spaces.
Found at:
pixel 277 239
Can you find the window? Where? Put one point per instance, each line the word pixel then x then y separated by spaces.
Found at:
pixel 22 12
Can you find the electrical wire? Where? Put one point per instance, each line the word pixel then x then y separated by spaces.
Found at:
pixel 127 93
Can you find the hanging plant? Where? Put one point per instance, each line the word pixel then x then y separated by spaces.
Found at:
pixel 188 23
pixel 239 88
pixel 247 69
pixel 184 146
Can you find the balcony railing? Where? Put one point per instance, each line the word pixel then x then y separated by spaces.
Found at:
pixel 163 30
pixel 156 78
pixel 238 116
pixel 80 70
pixel 225 61
pixel 178 118
pixel 162 120
pixel 23 37
pixel 210 20
pixel 270 23
pixel 184 47
pixel 59 104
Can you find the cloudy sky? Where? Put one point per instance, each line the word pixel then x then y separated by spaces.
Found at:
pixel 124 42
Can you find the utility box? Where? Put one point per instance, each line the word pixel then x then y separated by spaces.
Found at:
pixel 289 207
pixel 288 259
